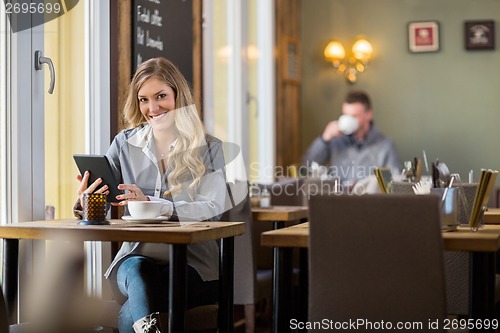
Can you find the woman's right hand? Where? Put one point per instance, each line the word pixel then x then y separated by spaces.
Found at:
pixel 84 188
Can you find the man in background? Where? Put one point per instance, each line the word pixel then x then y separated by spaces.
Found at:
pixel 352 146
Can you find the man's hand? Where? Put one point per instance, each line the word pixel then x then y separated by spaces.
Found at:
pixel 331 131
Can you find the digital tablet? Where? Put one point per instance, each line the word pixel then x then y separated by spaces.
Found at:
pixel 99 167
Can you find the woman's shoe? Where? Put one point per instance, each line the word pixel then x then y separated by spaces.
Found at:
pixel 153 323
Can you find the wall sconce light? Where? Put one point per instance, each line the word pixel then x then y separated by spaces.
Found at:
pixel 355 63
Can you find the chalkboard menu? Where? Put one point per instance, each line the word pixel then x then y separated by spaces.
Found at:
pixel 163 28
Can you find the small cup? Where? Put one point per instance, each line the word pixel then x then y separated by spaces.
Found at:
pixel 147 209
pixel 94 209
pixel 467 193
pixel 449 205
pixel 348 124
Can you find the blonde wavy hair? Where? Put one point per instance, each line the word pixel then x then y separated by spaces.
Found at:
pixel 185 162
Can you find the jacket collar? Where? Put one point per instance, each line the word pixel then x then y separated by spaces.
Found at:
pixel 142 137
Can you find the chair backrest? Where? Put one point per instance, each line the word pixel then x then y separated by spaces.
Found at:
pixel 238 202
pixel 296 191
pixel 376 257
pixel 287 192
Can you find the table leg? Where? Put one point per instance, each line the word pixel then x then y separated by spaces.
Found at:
pixel 282 289
pixel 482 287
pixel 177 287
pixel 226 285
pixel 303 286
pixel 278 225
pixel 10 275
pixel 282 285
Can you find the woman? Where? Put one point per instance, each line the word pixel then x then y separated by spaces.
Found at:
pixel 165 151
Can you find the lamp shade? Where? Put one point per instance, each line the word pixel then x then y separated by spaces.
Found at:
pixel 352 63
pixel 362 50
pixel 334 51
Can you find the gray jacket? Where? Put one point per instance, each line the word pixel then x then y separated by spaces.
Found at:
pixel 352 160
pixel 133 161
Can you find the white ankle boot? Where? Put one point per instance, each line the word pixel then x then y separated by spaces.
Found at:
pixel 152 323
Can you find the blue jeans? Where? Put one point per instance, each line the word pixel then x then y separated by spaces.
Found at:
pixel 145 285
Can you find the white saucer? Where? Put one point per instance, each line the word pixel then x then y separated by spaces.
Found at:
pixel 158 219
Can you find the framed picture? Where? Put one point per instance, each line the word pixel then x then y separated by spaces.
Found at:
pixel 423 36
pixel 480 35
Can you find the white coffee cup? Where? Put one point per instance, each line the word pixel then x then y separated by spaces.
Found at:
pixel 148 209
pixel 348 124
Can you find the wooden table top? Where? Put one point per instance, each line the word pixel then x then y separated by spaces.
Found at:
pixel 294 236
pixel 120 230
pixel 280 213
pixel 486 239
pixel 492 216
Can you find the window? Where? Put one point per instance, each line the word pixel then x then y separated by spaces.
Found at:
pixel 239 79
pixel 40 132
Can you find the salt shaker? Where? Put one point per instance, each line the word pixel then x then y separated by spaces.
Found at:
pixel 265 199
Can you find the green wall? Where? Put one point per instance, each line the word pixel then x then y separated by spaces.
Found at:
pixel 447 102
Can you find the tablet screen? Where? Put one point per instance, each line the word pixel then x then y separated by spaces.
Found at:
pixel 99 167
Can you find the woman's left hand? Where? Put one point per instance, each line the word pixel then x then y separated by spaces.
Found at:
pixel 134 194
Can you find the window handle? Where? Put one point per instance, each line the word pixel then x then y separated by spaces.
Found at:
pixel 39 61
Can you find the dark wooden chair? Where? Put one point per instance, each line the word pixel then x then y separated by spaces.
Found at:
pixel 376 257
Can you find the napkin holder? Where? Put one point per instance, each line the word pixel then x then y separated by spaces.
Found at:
pixel 401 187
